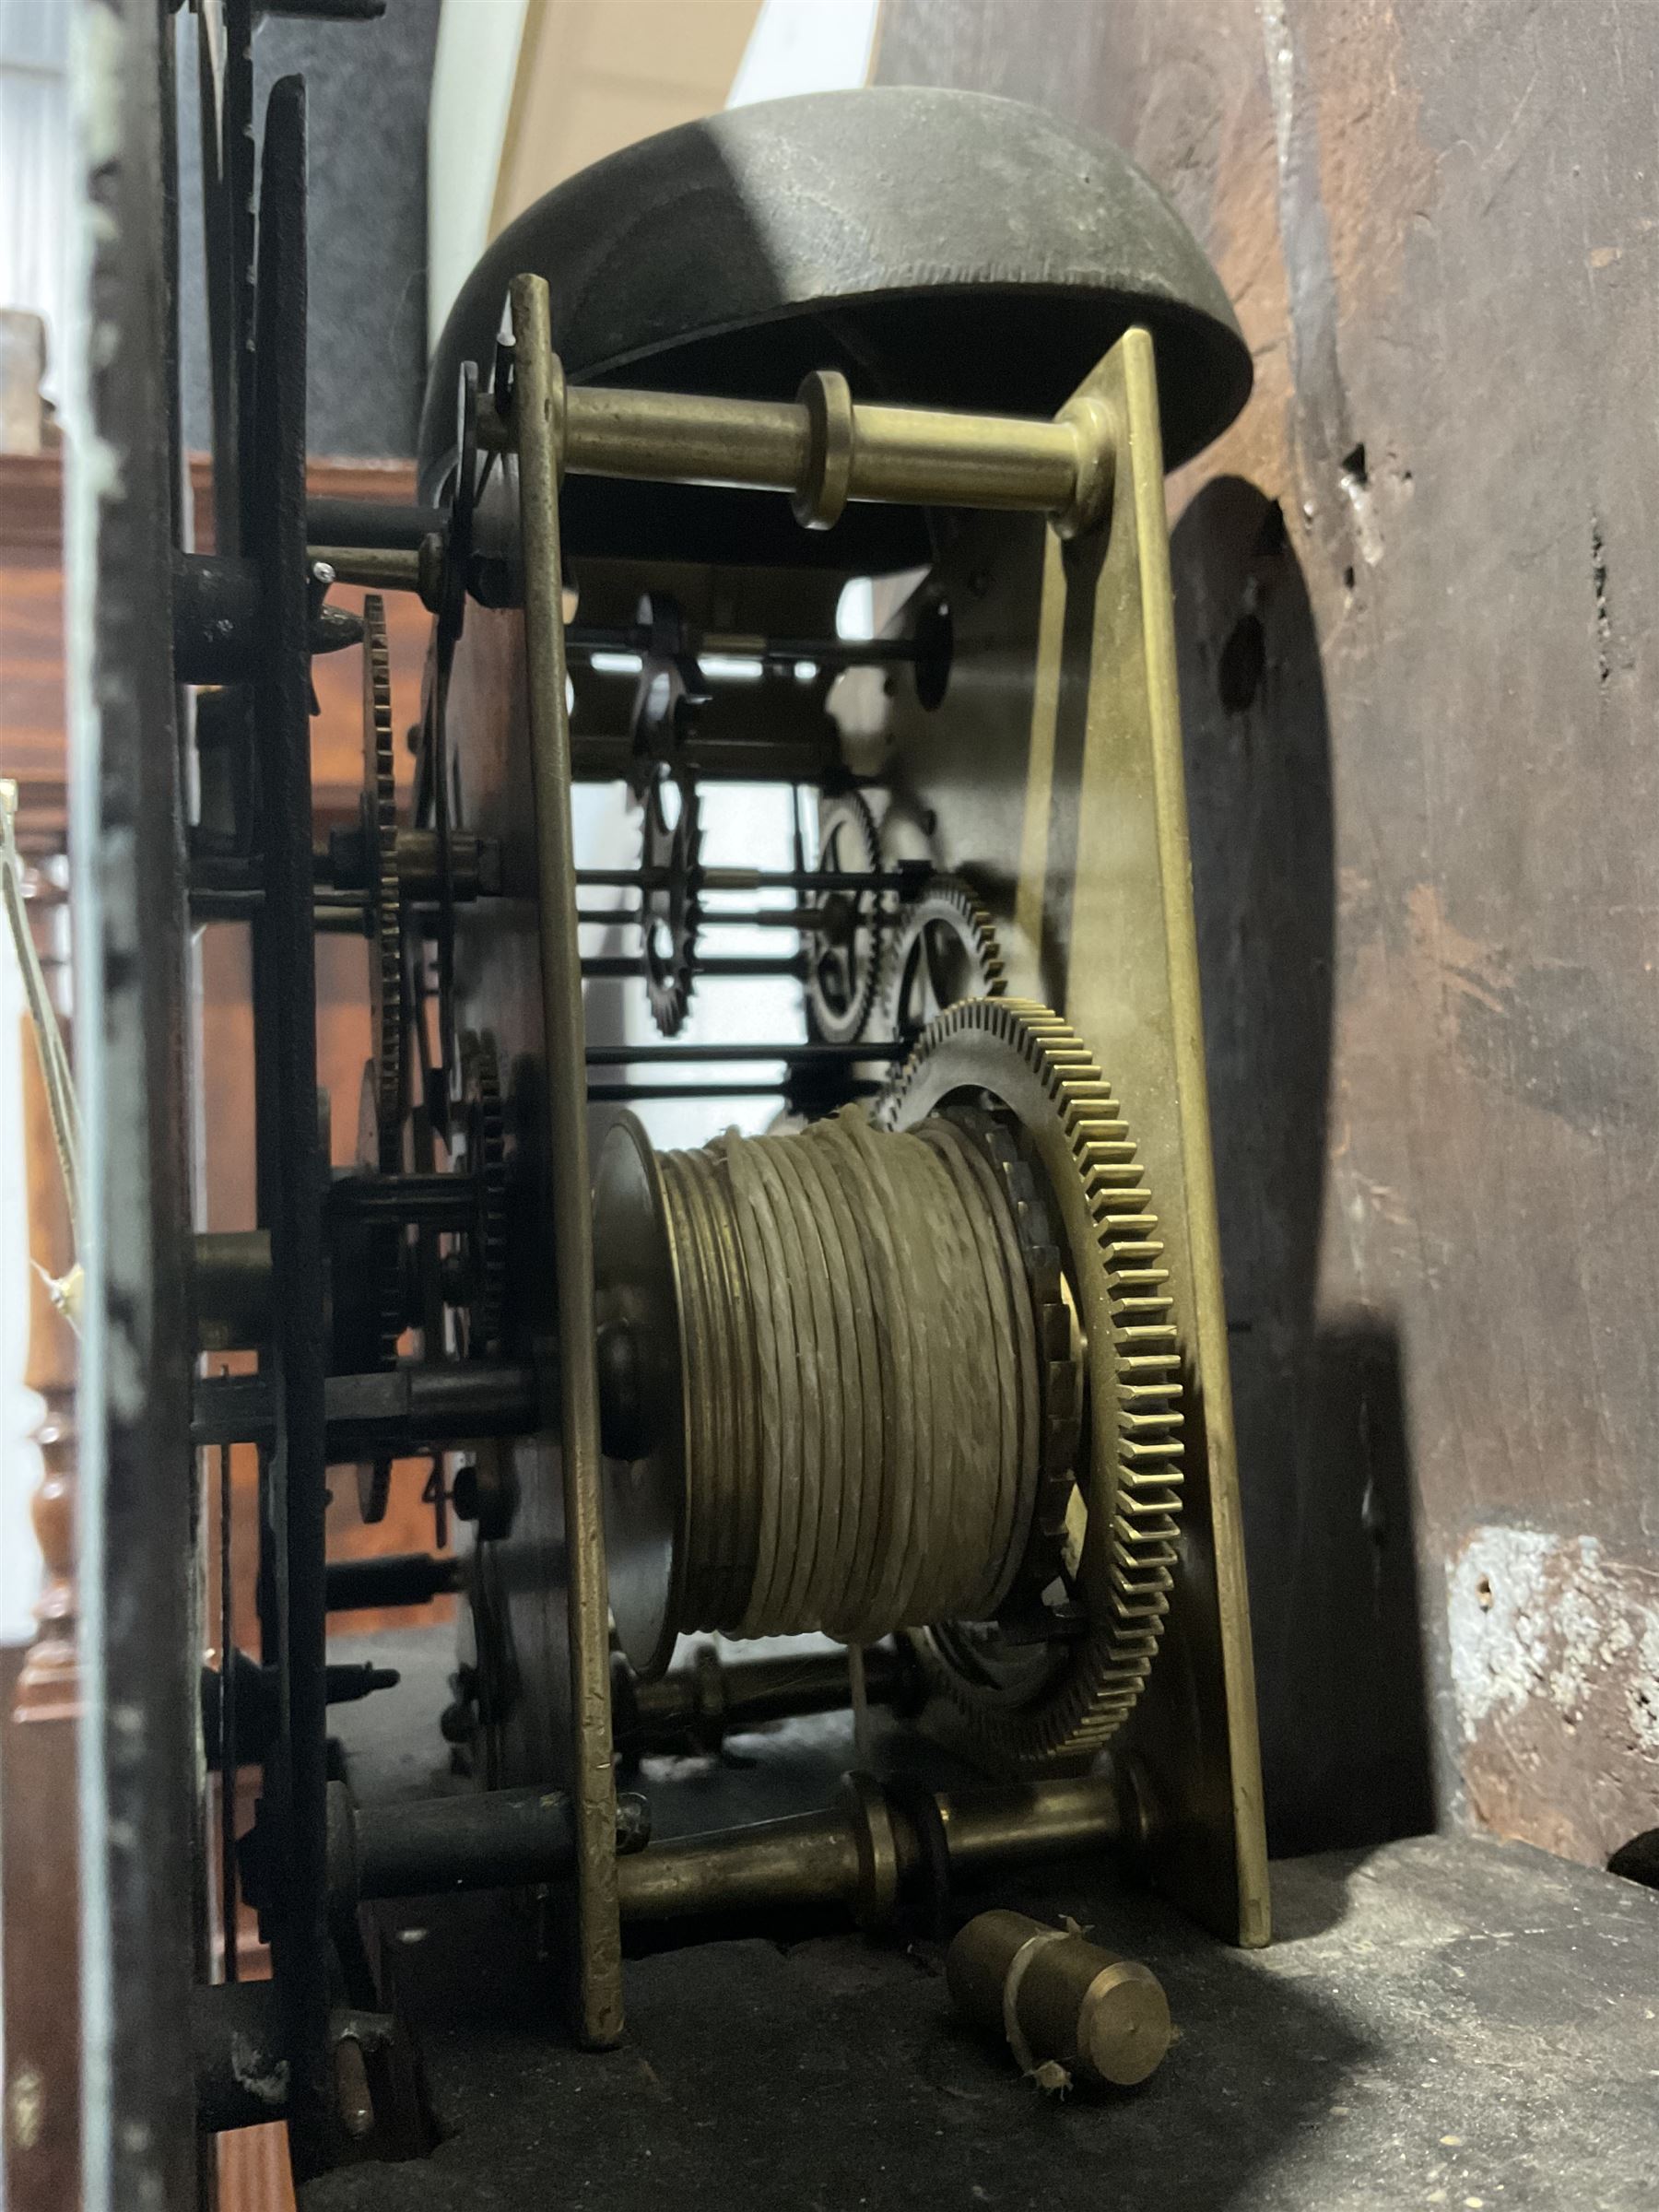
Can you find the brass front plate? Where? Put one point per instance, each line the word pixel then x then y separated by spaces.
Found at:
pixel 1059 790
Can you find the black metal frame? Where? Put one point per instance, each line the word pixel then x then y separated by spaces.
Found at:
pixel 138 1520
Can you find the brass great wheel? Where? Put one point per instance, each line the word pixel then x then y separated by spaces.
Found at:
pixel 943 947
pixel 1032 1697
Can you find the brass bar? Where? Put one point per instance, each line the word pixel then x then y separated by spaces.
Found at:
pixel 700 1705
pixel 911 454
pixel 807 1860
pixel 382 568
pixel 1054 1820
pixel 891 453
pixel 669 437
pixel 593 1776
pixel 863 1850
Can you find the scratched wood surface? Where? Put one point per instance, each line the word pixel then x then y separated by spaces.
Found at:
pixel 1413 586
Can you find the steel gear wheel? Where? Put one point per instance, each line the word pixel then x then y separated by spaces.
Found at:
pixel 385 902
pixel 484 1122
pixel 671 914
pixel 941 948
pixel 1063 1700
pixel 844 954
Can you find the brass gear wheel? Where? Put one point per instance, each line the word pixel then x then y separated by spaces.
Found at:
pixel 385 902
pixel 943 947
pixel 1061 1699
pixel 844 954
pixel 670 915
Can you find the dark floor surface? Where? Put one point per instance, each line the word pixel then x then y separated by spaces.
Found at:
pixel 1447 2021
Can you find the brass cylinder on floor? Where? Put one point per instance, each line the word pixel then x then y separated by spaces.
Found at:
pixel 1064 2005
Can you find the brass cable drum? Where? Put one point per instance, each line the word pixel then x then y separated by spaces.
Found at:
pixel 858 1433
pixel 923 1374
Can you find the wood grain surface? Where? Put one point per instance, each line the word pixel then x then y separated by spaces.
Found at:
pixel 1412 587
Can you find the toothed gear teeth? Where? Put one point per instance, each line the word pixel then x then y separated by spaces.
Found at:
pixel 1028 1060
pixel 843 979
pixel 945 904
pixel 671 916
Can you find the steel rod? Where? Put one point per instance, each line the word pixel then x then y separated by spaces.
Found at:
pixel 904 879
pixel 797 1055
pixel 405 1410
pixel 828 652
pixel 379 523
pixel 232 1288
pixel 778 917
pixel 593 1780
pixel 397 1578
pixel 339 914
pixel 629 1094
pixel 475 1840
pixel 614 967
pixel 438 1201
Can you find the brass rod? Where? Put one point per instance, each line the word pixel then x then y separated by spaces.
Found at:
pixel 671 437
pixel 702 1704
pixel 865 1850
pixel 809 1859
pixel 905 453
pixel 1054 1820
pixel 593 1776
pixel 885 453
pixel 384 568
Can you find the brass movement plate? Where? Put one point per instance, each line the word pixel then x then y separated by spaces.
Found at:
pixel 1059 789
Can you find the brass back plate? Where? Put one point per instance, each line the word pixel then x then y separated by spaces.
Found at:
pixel 1060 791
